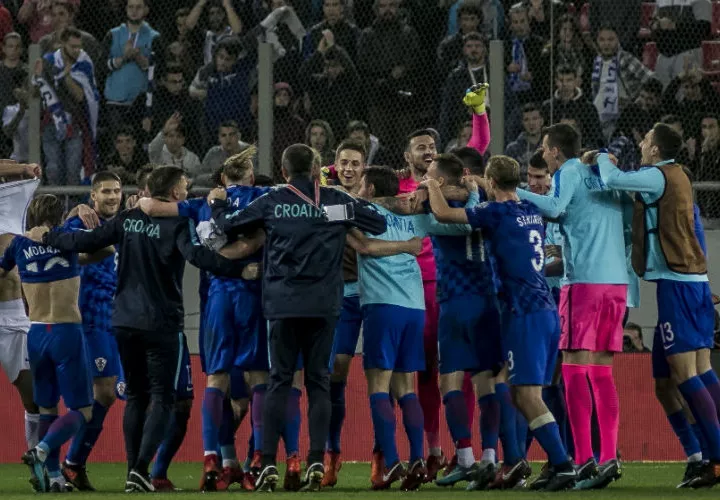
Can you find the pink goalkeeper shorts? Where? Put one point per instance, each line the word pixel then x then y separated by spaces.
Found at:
pixel 591 317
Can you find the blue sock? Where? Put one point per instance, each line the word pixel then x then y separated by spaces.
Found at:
pixel 712 384
pixel 212 411
pixel 84 441
pixel 177 428
pixel 60 430
pixel 413 421
pixel 383 417
pixel 227 432
pixel 703 409
pixel 337 417
pixel 697 431
pixel 508 425
pixel 258 403
pixel 291 432
pixel 684 432
pixel 522 433
pixel 548 436
pixel 456 415
pixel 489 421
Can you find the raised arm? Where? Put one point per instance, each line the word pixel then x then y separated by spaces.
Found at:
pixel 646 180
pixel 475 99
pixel 566 182
pixel 10 168
pixel 440 208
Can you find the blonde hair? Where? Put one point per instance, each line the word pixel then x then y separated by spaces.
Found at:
pixel 504 171
pixel 240 165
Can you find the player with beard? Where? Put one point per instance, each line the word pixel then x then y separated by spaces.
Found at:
pixel 15 195
pixel 349 165
pixel 97 291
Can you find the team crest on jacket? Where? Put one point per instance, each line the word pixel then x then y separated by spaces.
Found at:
pixel 100 363
pixel 120 388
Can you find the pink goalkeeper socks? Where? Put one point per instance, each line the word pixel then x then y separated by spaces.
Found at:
pixel 579 408
pixel 608 409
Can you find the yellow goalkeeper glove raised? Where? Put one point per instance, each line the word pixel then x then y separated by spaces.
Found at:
pixel 475 97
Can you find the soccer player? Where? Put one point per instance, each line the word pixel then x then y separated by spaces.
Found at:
pixel 56 346
pixel 97 291
pixel 393 319
pixel 468 335
pixel 148 314
pixel 530 320
pixel 593 296
pixel 14 324
pixel 667 251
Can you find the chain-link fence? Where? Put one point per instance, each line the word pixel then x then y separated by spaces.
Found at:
pixel 121 83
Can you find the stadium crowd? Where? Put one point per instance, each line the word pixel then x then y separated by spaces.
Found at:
pixel 549 268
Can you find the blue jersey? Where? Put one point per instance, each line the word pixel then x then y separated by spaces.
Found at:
pixel 516 233
pixel 38 263
pixel 463 263
pixel 591 220
pixel 196 209
pixel 97 286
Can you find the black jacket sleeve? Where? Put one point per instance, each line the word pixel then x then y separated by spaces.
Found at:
pixel 233 223
pixel 367 219
pixel 188 243
pixel 108 234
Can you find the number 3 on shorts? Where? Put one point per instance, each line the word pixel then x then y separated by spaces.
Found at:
pixel 667 334
pixel 510 361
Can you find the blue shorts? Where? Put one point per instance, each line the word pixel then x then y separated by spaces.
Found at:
pixel 184 388
pixel 393 338
pixel 686 321
pixel 58 357
pixel 203 293
pixel 530 343
pixel 347 330
pixel 238 387
pixel 235 331
pixel 469 335
pixel 103 353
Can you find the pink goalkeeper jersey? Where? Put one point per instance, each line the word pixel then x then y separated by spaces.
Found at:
pixel 426 259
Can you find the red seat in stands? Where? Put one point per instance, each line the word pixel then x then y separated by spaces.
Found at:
pixel 650 55
pixel 711 58
pixel 647 11
pixel 585 17
pixel 715 20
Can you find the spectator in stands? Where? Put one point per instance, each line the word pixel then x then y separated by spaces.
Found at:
pixel 63 15
pixel 388 57
pixel 650 99
pixel 66 81
pixel 470 71
pixel 493 17
pixel 320 137
pixel 38 15
pixel 523 57
pixel 222 22
pixel 288 127
pixel 539 12
pixel 633 339
pixel 377 154
pixel 168 147
pixel 12 69
pixel 679 27
pixel 708 164
pixel 623 15
pixel 686 157
pixel 169 97
pixel 331 83
pixel 229 144
pixel 631 128
pixel 569 101
pixel 450 50
pixel 525 145
pixel 6 22
pixel 461 138
pixel 129 48
pixel 570 50
pixel 687 95
pixel 224 86
pixel 287 39
pixel 344 33
pixel 617 77
pixel 15 121
pixel 127 158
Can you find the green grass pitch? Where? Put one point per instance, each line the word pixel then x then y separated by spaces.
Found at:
pixel 640 481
